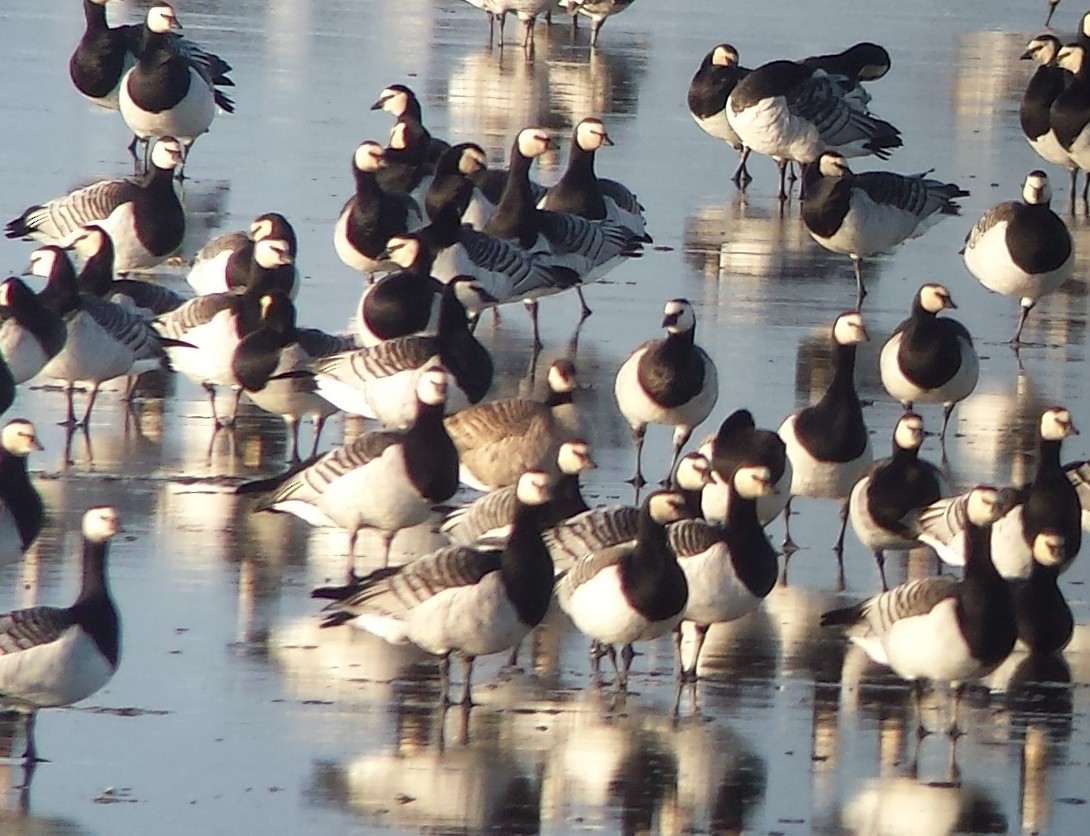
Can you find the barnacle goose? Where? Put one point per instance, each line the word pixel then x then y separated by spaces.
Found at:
pixel 491 8
pixel 1069 115
pixel 1050 503
pixel 1045 621
pixel 827 442
pixel 371 216
pixel 1035 110
pixel 104 54
pixel 890 490
pixel 497 441
pixel 715 78
pixel 669 381
pixel 31 334
pixel 860 215
pixel 143 216
pixel 267 357
pixel 459 600
pixel 580 191
pixel 21 510
pixel 737 443
pixel 453 189
pixel 864 61
pixel 729 568
pixel 164 93
pixel 930 359
pixel 378 381
pixel 212 326
pixel 942 629
pixel 1022 248
pixel 104 340
pixel 489 517
pixel 597 10
pixel 52 656
pixel 401 302
pixel 632 592
pixel 227 262
pixel 417 150
pixel 96 277
pixel 790 111
pixel 385 480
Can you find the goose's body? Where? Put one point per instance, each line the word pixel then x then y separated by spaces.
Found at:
pixel 31 334
pixel 709 89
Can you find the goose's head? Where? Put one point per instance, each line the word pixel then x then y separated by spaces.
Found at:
pixel 44 259
pixel 533 488
pixel 934 298
pixel 403 250
pixel 1049 548
pixel 101 523
pixel 590 135
pixel 394 100
pixel 533 142
pixel 471 293
pixel 982 506
pixel 832 164
pixel 272 225
pixel 724 55
pixel 849 330
pixel 574 457
pixel 1043 49
pixel 561 376
pixel 1037 189
pixel 472 159
pixel 161 19
pixel 1057 424
pixel 18 438
pixel 166 153
pixel 270 253
pixel 753 481
pixel 693 472
pixel 678 316
pixel 909 432
pixel 369 156
pixel 431 389
pixel 1071 57
pixel 666 507
pixel 88 241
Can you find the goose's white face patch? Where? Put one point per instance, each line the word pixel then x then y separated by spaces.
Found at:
pixel 560 380
pixel 272 252
pixel 981 506
pixel 42 261
pixel 533 488
pixel 394 102
pixel 590 135
pixel 432 388
pixel 694 471
pixel 1048 548
pixel 753 482
pixel 369 156
pixel 724 55
pixel 666 507
pixel 18 438
pixel 533 142
pixel 261 228
pixel 574 457
pixel 1071 57
pixel 100 524
pixel 678 316
pixel 166 154
pixel 832 164
pixel 403 251
pixel 1037 189
pixel 161 19
pixel 908 434
pixel 1057 424
pixel 89 241
pixel 849 329
pixel 472 160
pixel 935 297
pixel 399 137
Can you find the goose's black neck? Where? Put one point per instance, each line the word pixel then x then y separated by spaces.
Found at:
pixel 527 567
pixel 651 578
pixel 431 459
pixel 94 609
pixel 61 291
pixel 97 274
pixel 752 556
pixel 516 203
pixel 985 603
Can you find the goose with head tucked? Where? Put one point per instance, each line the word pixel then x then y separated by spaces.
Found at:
pixel 266 360
pixel 891 490
pixel 385 480
pixel 31 333
pixel 1035 110
pixel 226 263
pixel 630 593
pixel 165 94
pixel 51 657
pixel 212 326
pixel 96 277
pixel 142 215
pixel 459 600
pixel 378 381
pixel 1022 248
pixel 861 215
pixel 939 628
pixel 669 381
pixel 499 440
pixel 22 512
pixel 372 215
pixel 827 442
pixel 104 340
pixel 715 78
pixel 928 358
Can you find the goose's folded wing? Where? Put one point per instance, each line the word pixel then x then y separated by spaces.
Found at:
pixel 24 629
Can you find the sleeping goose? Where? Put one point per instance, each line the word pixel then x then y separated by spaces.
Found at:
pixel 372 215
pixel 21 510
pixel 499 440
pixel 104 340
pixel 459 600
pixel 142 215
pixel 31 334
pixel 51 657
pixel 386 480
pixel 378 381
pixel 226 263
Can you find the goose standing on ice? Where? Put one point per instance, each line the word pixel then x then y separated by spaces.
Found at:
pixel 930 359
pixel 52 657
pixel 827 442
pixel 31 334
pixel 142 215
pixel 21 509
pixel 669 381
pixel 942 629
pixel 459 600
pixel 712 84
pixel 1035 110
pixel 1022 248
pixel 1069 114
pixel 599 11
pixel 860 215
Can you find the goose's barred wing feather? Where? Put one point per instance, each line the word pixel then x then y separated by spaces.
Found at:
pixel 24 629
pixel 381 360
pixel 692 537
pixel 1002 213
pixel 590 531
pixel 125 326
pixel 318 343
pixel 59 218
pixel 492 511
pixel 819 101
pixel 918 195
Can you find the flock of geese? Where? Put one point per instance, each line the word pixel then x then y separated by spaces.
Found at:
pixel 440 237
